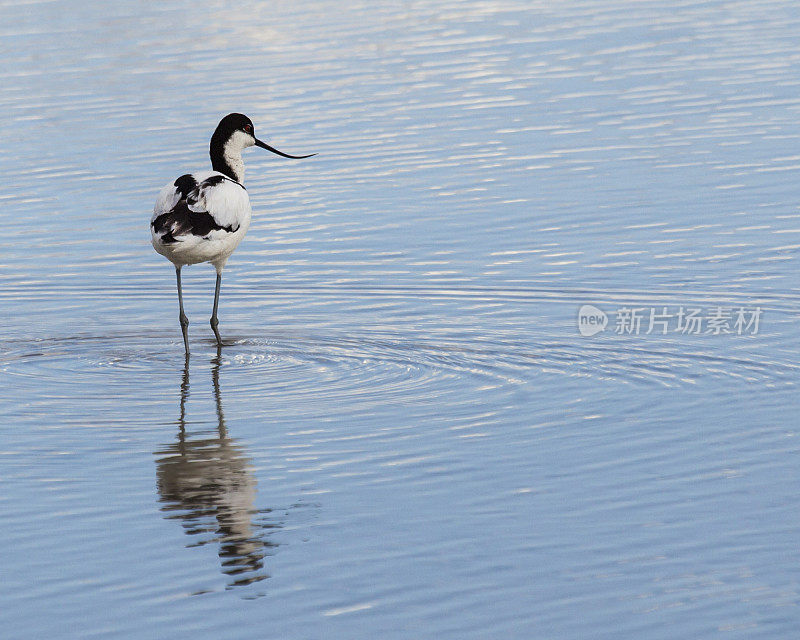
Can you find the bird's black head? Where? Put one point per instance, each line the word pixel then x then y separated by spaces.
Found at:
pixel 235 132
pixel 233 123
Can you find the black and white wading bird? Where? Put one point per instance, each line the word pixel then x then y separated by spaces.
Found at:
pixel 202 217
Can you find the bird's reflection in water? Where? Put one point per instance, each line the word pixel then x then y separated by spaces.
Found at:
pixel 207 484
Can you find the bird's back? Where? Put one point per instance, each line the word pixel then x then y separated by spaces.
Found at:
pixel 201 217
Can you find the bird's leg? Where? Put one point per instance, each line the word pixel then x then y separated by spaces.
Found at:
pixel 182 317
pixel 214 319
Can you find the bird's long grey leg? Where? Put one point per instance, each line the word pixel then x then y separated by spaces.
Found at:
pixel 214 319
pixel 182 317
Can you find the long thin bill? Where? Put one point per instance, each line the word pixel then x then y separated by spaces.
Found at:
pixel 264 145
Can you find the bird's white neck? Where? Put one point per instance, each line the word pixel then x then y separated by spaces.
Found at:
pixel 233 158
pixel 226 155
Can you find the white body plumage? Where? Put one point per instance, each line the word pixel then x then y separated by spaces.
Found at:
pixel 201 217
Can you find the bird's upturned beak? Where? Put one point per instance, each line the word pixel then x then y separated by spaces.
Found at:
pixel 264 145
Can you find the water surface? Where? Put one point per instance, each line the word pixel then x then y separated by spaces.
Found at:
pixel 404 436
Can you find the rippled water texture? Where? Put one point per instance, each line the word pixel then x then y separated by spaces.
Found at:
pixel 404 436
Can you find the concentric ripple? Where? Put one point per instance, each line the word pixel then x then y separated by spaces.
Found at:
pixel 388 365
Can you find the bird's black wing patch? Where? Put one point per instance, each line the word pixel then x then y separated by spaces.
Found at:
pixel 182 221
pixel 213 181
pixel 185 185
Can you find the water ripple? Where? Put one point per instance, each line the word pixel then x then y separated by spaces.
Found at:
pixel 358 370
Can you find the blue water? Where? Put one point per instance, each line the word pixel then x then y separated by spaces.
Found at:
pixel 405 434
